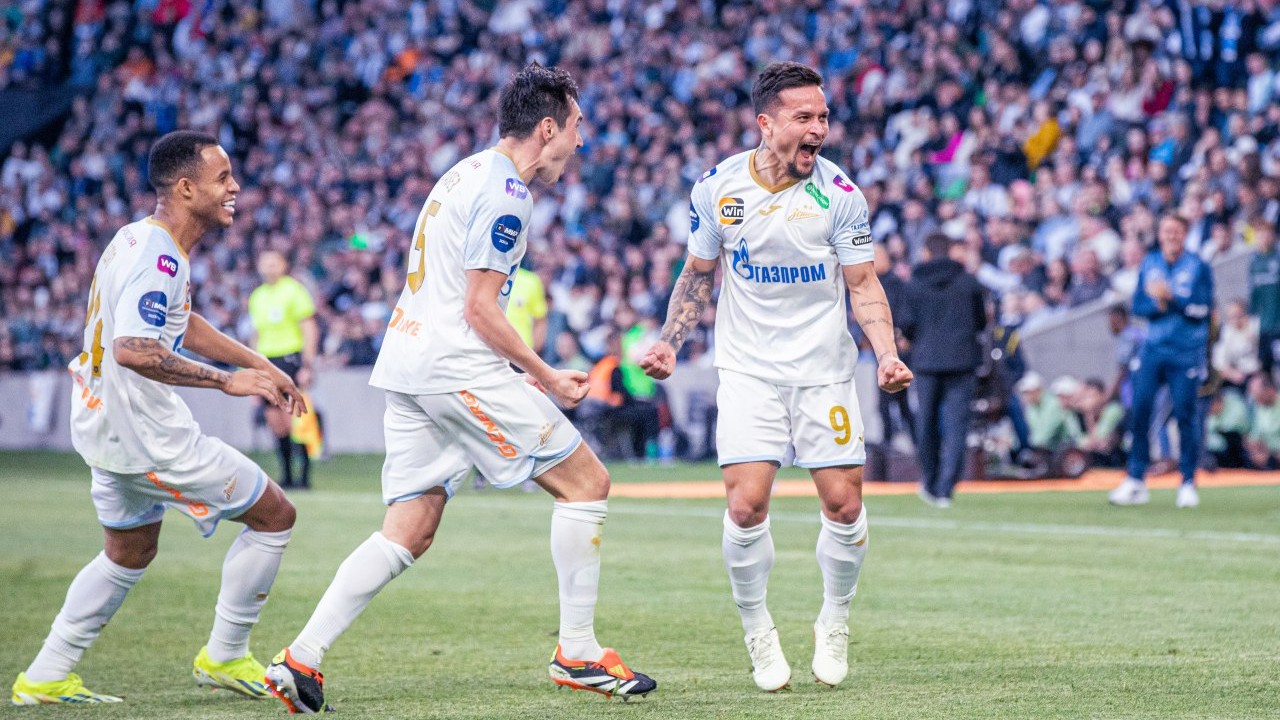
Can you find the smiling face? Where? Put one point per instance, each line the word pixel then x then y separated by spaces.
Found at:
pixel 795 128
pixel 211 193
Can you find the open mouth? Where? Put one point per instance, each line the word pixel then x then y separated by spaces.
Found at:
pixel 230 206
pixel 808 151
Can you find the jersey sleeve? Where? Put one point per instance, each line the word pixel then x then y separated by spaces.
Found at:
pixel 498 222
pixel 851 225
pixel 704 229
pixel 150 291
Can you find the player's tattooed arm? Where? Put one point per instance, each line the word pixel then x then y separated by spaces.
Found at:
pixel 871 309
pixel 689 300
pixel 151 359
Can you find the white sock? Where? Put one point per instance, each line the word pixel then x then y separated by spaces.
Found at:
pixel 576 531
pixel 748 556
pixel 361 576
pixel 247 575
pixel 94 596
pixel 841 549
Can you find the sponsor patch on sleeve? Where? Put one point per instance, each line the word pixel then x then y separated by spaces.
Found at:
pixel 505 231
pixel 517 189
pixel 695 222
pixel 842 184
pixel 167 265
pixel 153 308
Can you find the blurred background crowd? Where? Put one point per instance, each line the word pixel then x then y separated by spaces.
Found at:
pixel 1044 137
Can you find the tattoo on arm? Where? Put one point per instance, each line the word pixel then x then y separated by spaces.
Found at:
pixel 163 365
pixel 689 299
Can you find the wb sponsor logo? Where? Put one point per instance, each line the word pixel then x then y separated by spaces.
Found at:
pixel 167 265
pixel 784 274
pixel 517 189
pixel 732 211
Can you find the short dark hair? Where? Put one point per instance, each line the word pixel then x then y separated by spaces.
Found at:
pixel 175 156
pixel 781 76
pixel 535 92
pixel 937 245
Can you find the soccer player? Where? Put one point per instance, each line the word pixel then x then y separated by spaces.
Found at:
pixel 144 450
pixel 1175 294
pixel 794 235
pixel 454 405
pixel 284 329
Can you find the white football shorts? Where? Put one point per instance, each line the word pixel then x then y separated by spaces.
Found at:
pixel 508 433
pixel 214 483
pixel 757 420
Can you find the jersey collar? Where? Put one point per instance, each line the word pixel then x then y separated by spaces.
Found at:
pixel 151 220
pixel 751 165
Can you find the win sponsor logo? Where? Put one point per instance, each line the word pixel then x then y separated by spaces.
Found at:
pixel 732 210
pixel 768 274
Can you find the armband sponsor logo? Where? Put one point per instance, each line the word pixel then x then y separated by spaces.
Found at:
pixel 517 189
pixel 709 173
pixel 823 201
pixel 167 265
pixel 153 307
pixel 732 210
pixel 695 222
pixel 506 449
pixel 505 231
pixel 842 184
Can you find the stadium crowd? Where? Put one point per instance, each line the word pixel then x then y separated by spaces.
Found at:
pixel 1045 138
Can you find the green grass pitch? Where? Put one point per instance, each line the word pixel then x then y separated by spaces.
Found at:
pixel 1045 605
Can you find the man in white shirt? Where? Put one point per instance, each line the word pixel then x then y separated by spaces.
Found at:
pixel 795 238
pixel 145 451
pixel 455 406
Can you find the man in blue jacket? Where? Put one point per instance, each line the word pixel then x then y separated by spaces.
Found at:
pixel 1175 295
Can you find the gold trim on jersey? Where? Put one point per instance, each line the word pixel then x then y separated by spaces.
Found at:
pixel 151 219
pixel 751 166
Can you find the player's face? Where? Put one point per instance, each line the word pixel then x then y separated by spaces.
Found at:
pixel 797 128
pixel 215 188
pixel 1173 238
pixel 562 145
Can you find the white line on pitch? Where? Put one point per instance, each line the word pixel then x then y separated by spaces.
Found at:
pixel 628 508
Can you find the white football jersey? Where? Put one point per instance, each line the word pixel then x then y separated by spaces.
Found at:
pixel 476 217
pixel 782 313
pixel 120 421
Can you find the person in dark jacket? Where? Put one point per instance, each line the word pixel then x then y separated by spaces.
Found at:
pixel 945 313
pixel 1264 292
pixel 895 290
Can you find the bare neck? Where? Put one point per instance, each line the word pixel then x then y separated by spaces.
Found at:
pixel 185 229
pixel 524 154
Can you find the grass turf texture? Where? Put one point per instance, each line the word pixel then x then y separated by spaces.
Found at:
pixel 1048 605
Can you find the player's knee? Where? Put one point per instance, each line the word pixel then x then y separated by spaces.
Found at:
pixel 746 512
pixel 845 513
pixel 132 556
pixel 600 482
pixel 285 517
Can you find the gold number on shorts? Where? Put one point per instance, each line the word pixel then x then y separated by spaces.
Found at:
pixel 419 274
pixel 840 423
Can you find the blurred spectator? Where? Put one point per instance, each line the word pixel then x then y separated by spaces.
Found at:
pixel 1263 441
pixel 1052 426
pixel 895 291
pixel 944 313
pixel 1264 292
pixel 1235 355
pixel 527 308
pixel 1103 421
pixel 1226 428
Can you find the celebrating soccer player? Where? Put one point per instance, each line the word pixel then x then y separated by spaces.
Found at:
pixel 794 233
pixel 144 450
pixel 454 405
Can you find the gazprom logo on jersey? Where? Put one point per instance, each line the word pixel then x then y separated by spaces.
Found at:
pixel 153 307
pixel 787 274
pixel 732 210
pixel 505 231
pixel 517 189
pixel 167 265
